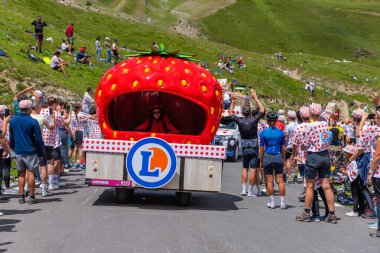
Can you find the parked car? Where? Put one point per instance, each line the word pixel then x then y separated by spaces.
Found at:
pixel 228 135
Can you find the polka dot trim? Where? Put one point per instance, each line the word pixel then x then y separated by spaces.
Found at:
pixel 181 150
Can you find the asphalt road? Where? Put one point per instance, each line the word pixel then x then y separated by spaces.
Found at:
pixel 86 219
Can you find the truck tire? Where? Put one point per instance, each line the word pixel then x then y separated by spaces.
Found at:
pixel 235 155
pixel 123 195
pixel 183 198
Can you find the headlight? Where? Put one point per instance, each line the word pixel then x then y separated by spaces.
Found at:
pixel 226 137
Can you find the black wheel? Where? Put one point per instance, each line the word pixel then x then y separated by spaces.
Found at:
pixel 235 155
pixel 183 198
pixel 123 195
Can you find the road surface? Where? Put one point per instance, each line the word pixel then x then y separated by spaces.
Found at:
pixel 86 219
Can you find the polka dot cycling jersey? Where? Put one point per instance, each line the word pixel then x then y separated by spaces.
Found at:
pixel 317 136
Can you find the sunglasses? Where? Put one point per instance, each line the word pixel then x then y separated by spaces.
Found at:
pixel 156 112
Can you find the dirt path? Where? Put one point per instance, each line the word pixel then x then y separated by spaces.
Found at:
pixel 370 13
pixel 200 8
pixel 121 4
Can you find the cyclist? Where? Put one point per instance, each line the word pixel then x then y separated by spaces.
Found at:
pixel 249 143
pixel 272 157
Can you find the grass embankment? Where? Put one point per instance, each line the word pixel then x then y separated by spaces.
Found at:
pixel 262 72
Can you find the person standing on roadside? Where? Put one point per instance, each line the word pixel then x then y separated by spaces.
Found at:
pixel 272 157
pixel 26 140
pixel 3 149
pixel 317 163
pixel 98 48
pixel 289 130
pixel 249 142
pixel 87 101
pixel 373 177
pixel 42 122
pixel 70 37
pixel 39 32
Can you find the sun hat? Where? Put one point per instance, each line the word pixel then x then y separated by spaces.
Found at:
pixel 281 118
pixel 305 112
pixel 316 109
pixel 350 149
pixel 358 113
pixel 25 104
pixel 281 112
pixel 292 114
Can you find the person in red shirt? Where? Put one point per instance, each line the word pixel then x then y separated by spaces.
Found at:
pixel 70 37
pixel 280 123
pixel 157 122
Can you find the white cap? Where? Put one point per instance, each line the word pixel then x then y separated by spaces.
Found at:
pixel 107 38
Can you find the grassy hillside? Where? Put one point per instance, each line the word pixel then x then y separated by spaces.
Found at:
pixel 332 28
pixel 263 70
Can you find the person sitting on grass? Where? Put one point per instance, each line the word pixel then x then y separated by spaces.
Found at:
pixel 84 58
pixel 64 46
pixel 3 53
pixel 57 63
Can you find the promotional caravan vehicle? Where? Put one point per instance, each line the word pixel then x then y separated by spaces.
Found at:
pixel 132 154
pixel 228 135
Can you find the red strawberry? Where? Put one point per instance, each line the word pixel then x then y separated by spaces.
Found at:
pixel 190 95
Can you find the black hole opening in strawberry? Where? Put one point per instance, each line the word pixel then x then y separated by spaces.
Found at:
pixel 130 111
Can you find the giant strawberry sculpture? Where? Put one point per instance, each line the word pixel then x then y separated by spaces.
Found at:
pixel 190 96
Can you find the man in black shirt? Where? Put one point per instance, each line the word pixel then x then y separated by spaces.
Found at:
pixel 39 32
pixel 249 142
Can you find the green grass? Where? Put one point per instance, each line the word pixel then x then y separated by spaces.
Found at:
pixel 261 74
pixel 318 27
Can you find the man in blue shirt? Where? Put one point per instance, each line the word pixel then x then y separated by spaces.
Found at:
pixel 272 157
pixel 26 139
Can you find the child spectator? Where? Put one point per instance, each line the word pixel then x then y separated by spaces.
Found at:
pixel 352 171
pixel 94 131
pixel 64 46
pixel 57 63
pixel 84 58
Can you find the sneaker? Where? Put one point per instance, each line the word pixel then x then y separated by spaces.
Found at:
pixel 369 215
pixel 21 200
pixel 251 194
pixel 10 192
pixel 37 183
pixel 375 233
pixel 331 219
pixel 53 187
pixel 258 193
pixel 66 171
pixel 1 213
pixel 32 200
pixel 61 184
pixel 2 197
pixel 243 193
pixel 315 218
pixel 264 190
pixel 46 193
pixel 75 166
pixel 82 166
pixel 373 226
pixel 271 205
pixel 301 199
pixel 352 214
pixel 283 206
pixel 303 217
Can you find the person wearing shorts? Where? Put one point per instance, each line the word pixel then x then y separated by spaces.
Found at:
pixel 39 32
pixel 272 156
pixel 289 130
pixel 316 143
pixel 248 128
pixel 70 37
pixel 26 140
